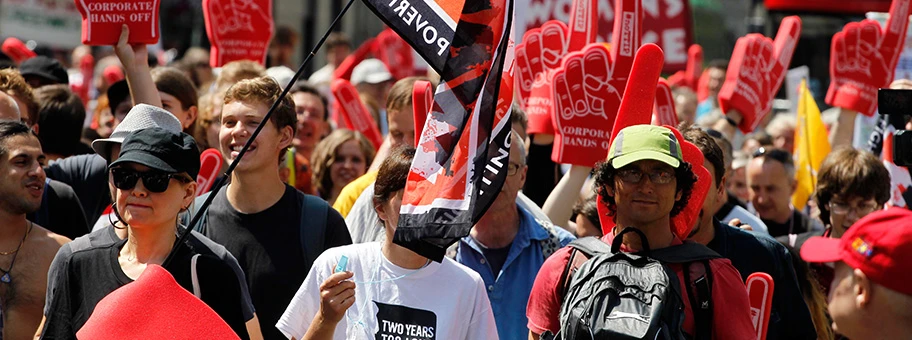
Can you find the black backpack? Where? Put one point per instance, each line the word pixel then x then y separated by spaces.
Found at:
pixel 609 294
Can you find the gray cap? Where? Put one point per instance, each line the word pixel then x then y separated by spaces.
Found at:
pixel 140 117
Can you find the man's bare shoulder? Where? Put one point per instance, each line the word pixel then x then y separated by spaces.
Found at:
pixel 44 241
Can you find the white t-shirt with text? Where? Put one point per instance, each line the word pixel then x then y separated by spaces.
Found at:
pixel 440 301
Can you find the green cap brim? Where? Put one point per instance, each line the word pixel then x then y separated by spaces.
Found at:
pixel 623 160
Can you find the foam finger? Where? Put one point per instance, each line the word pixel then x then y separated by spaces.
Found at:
pixel 894 35
pixel 553 42
pixel 639 95
pixel 627 35
pixel 583 25
pixel 574 73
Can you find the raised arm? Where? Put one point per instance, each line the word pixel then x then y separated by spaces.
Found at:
pixel 135 60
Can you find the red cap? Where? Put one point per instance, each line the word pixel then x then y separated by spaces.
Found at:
pixel 879 244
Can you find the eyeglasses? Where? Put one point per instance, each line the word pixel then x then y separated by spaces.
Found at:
pixel 513 168
pixel 153 181
pixel 634 176
pixel 841 209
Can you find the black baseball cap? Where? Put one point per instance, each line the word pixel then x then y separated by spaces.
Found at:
pixel 46 68
pixel 161 150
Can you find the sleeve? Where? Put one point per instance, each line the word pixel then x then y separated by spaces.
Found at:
pixel 347 198
pixel 794 316
pixel 58 323
pixel 68 211
pixel 303 306
pixel 336 230
pixel 247 303
pixel 543 309
pixel 88 176
pixel 731 307
pixel 543 174
pixel 482 324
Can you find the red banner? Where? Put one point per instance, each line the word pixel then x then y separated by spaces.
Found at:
pixel 666 23
pixel 102 19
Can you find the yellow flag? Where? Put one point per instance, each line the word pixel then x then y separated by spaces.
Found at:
pixel 812 145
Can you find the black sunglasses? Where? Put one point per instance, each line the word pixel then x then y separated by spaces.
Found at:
pixel 154 181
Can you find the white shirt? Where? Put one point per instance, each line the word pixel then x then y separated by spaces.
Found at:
pixel 440 301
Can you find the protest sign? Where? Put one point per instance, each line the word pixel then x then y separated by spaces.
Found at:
pixel 354 113
pixel 760 294
pixel 102 21
pixel 690 76
pixel 211 162
pixel 238 30
pixel 395 53
pixel 664 113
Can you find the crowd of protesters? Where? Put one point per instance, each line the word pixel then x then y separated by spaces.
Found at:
pixel 299 243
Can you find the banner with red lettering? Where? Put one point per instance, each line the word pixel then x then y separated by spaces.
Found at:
pixel 461 160
pixel 666 23
pixel 102 19
pixel 238 30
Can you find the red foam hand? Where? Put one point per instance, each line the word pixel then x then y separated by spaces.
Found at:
pixel 16 50
pixel 422 103
pixel 354 113
pixel 238 30
pixel 690 77
pixel 760 287
pixel 347 66
pixel 684 222
pixel 395 53
pixel 863 57
pixel 756 71
pixel 211 161
pixel 664 113
pixel 539 55
pixel 102 20
pixel 703 86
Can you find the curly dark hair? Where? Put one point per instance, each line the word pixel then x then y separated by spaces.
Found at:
pixel 604 177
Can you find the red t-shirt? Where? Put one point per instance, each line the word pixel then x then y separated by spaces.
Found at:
pixel 731 308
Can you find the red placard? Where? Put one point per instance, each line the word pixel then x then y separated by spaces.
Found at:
pixel 211 161
pixel 395 53
pixel 238 30
pixel 16 50
pixel 755 72
pixel 863 57
pixel 664 113
pixel 690 76
pixel 102 20
pixel 760 294
pixel 353 112
pixel 422 102
pixel 666 23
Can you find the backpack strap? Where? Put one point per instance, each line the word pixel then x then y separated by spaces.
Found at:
pixel 581 250
pixel 194 278
pixel 686 252
pixel 550 244
pixel 699 290
pixel 313 225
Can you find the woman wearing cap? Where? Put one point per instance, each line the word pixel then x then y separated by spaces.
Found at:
pixel 153 182
pixel 383 290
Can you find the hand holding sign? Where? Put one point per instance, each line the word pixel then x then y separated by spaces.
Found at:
pixel 691 76
pixel 539 55
pixel 755 72
pixel 863 57
pixel 665 113
pixel 101 21
pixel 238 29
pixel 353 111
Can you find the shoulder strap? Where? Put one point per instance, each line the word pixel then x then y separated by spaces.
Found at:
pixel 313 225
pixel 581 250
pixel 683 253
pixel 590 246
pixel 194 278
pixel 550 244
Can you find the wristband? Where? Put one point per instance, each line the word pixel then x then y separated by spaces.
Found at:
pixel 731 121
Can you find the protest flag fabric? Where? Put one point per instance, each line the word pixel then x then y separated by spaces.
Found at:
pixel 462 155
pixel 422 101
pixel 812 145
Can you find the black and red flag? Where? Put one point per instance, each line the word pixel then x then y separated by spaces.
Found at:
pixel 462 155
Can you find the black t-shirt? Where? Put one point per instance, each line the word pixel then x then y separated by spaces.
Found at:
pixel 91 274
pixel 796 224
pixel 88 175
pixel 267 245
pixel 61 211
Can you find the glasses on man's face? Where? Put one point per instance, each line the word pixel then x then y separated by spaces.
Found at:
pixel 842 209
pixel 634 176
pixel 513 168
pixel 154 181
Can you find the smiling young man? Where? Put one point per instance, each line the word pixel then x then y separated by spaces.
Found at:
pixel 644 183
pixel 26 249
pixel 264 222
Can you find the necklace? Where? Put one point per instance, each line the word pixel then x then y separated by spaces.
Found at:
pixel 7 278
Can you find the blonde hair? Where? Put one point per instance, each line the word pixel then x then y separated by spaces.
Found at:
pixel 324 156
pixel 236 71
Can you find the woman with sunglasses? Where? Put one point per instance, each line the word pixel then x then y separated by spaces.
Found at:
pixel 382 290
pixel 152 182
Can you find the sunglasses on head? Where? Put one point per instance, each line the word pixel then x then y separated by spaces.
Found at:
pixel 154 181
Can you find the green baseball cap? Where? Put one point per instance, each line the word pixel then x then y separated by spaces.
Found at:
pixel 639 142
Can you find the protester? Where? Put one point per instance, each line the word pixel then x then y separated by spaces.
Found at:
pixel 781 129
pixel 813 295
pixel 26 249
pixel 313 125
pixel 771 179
pixel 730 207
pixel 235 71
pixel 207 126
pixel 648 152
pixel 60 118
pixel 257 217
pixel 870 295
pixel 507 246
pixel 400 120
pixel 715 73
pixel 178 95
pixel 337 47
pixel 363 291
pixel 339 159
pixel 166 164
pixel 12 83
pixel 685 104
pixel 42 71
pixel 586 217
pixel 789 316
pixel 737 184
pixel 195 64
pixel 372 78
pixel 119 100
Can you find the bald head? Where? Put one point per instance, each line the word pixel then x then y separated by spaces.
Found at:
pixel 9 109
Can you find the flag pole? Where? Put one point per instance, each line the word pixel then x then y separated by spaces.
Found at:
pixel 218 185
